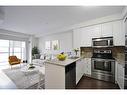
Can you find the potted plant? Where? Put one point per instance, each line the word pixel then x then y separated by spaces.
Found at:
pixel 35 50
pixel 76 50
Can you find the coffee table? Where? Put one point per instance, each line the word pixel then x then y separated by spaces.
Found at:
pixel 30 72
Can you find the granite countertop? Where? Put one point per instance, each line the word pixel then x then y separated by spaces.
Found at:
pixel 63 63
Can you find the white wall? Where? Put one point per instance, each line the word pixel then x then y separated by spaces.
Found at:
pixel 35 41
pixel 65 41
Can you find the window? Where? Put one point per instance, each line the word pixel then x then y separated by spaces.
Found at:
pixel 10 47
pixel 4 50
pixel 47 45
pixel 17 48
pixel 55 45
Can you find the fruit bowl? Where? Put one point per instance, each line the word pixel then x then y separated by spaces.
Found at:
pixel 61 57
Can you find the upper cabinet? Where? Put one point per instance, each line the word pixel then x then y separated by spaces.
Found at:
pixel 107 29
pixel 86 36
pixel 83 36
pixel 96 31
pixel 88 33
pixel 76 38
pixel 118 33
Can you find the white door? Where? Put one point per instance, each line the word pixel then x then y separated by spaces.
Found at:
pixel 96 31
pixel 88 33
pixel 118 33
pixel 107 29
pixel 76 38
pixel 116 70
pixel 87 66
pixel 86 37
pixel 120 76
pixel 78 70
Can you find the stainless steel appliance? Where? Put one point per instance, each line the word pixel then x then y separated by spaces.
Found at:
pixel 102 42
pixel 125 77
pixel 103 65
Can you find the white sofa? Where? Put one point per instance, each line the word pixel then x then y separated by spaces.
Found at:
pixel 40 61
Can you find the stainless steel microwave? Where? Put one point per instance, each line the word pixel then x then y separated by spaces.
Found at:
pixel 102 42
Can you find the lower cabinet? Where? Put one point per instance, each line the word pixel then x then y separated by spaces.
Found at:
pixel 120 76
pixel 79 69
pixel 87 66
pixel 83 66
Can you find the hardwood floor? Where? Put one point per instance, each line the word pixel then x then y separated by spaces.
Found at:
pixel 90 83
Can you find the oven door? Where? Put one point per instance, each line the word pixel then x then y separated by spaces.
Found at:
pixel 103 66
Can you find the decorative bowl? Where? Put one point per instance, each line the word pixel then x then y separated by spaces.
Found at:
pixel 61 57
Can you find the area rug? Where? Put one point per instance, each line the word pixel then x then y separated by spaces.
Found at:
pixel 23 81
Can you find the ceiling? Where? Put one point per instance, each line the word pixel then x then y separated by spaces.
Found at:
pixel 42 20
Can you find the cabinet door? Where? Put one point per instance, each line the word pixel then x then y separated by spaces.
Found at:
pixel 79 70
pixel 82 66
pixel 118 33
pixel 125 26
pixel 88 33
pixel 85 65
pixel 76 38
pixel 86 37
pixel 107 29
pixel 96 31
pixel 120 76
pixel 89 66
pixel 116 70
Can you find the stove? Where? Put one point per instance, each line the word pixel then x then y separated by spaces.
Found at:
pixel 102 54
pixel 103 65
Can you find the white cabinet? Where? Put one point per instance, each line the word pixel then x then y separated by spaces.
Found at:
pixel 82 37
pixel 125 26
pixel 76 38
pixel 118 33
pixel 88 33
pixel 120 76
pixel 116 66
pixel 96 31
pixel 87 66
pixel 79 70
pixel 107 30
pixel 86 37
pixel 54 76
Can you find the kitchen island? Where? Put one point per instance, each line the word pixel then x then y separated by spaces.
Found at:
pixel 61 74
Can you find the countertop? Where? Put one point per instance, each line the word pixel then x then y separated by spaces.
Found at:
pixel 63 63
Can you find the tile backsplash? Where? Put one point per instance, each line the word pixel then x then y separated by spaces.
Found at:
pixel 117 52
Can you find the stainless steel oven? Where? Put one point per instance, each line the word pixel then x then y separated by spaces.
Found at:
pixel 103 69
pixel 103 65
pixel 102 42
